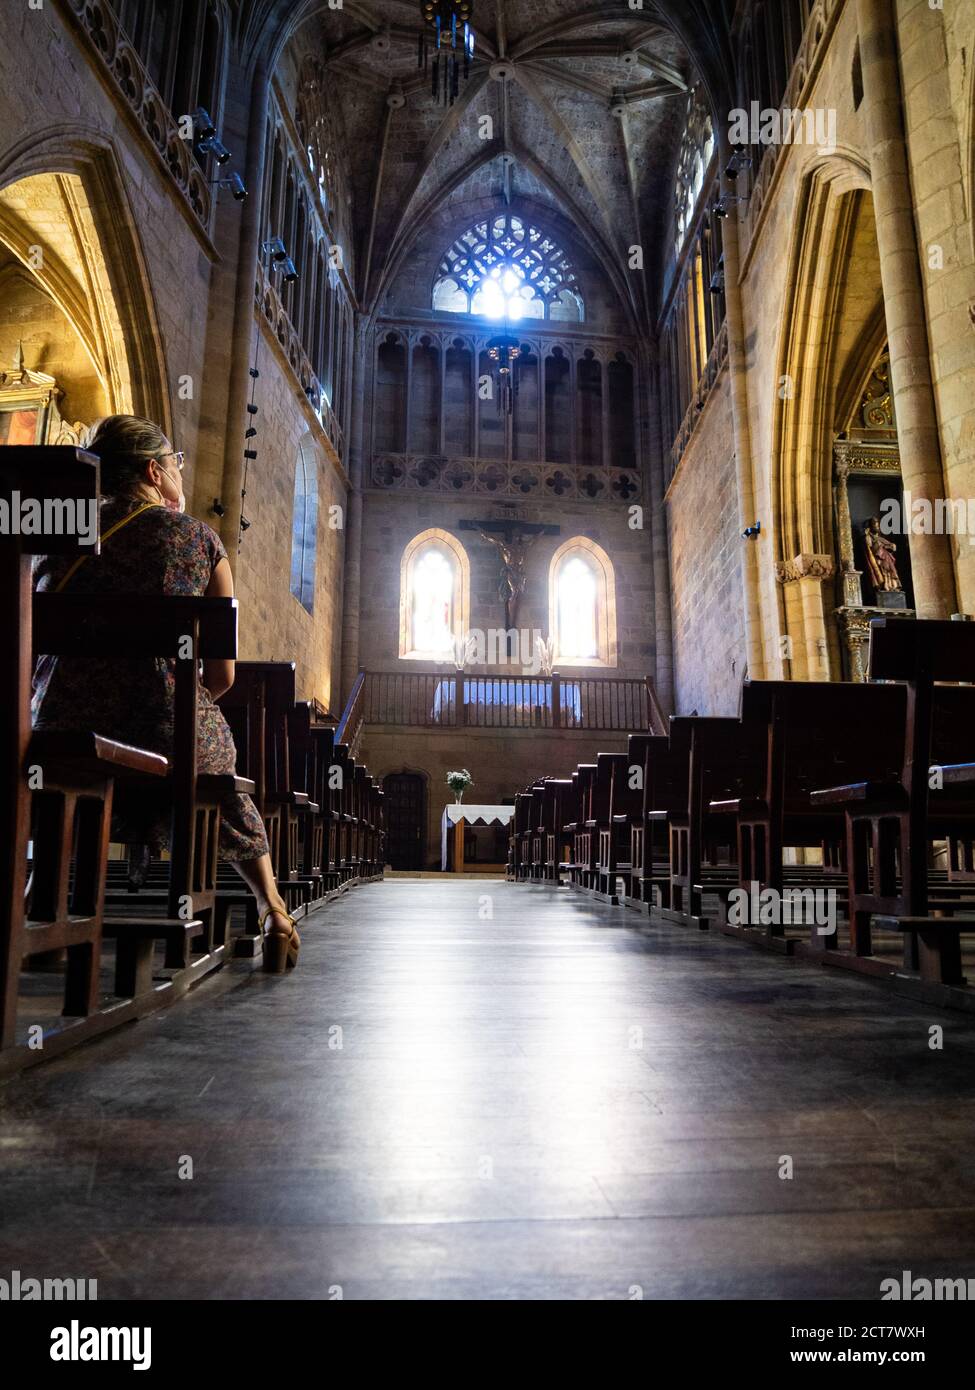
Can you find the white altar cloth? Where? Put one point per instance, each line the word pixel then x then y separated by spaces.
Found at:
pixel 471 815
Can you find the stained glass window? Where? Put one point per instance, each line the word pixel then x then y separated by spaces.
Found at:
pixel 504 267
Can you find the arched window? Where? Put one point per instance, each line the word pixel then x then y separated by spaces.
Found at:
pixel 503 267
pixel 697 148
pixel 304 526
pixel 434 597
pixel 582 604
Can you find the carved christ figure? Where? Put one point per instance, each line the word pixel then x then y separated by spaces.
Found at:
pixel 881 558
pixel 511 583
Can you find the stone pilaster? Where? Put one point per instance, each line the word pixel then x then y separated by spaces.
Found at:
pixel 737 367
pixel 917 425
pixel 803 578
pixel 352 585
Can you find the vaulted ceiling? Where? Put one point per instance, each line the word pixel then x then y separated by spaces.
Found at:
pixel 586 102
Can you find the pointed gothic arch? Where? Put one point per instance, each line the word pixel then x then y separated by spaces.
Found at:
pixel 111 305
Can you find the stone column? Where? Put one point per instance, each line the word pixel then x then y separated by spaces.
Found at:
pixel 900 273
pixel 737 368
pixel 352 584
pixel 804 577
pixel 651 447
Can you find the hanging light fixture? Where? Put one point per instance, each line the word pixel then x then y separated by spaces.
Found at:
pixel 504 351
pixel 452 41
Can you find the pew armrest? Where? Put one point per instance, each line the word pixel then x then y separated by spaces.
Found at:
pixel 93 753
pixel 958 775
pixel 856 792
pixel 223 783
pixel 947 926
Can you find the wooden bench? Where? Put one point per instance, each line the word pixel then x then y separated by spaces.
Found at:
pixel 556 792
pixel 185 630
pixel 801 728
pixel 578 827
pixel 258 707
pixel 891 825
pixel 57 789
pixel 722 760
pixel 612 774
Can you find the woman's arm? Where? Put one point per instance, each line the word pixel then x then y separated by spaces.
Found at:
pixel 218 676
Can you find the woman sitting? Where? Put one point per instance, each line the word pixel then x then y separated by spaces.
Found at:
pixel 156 548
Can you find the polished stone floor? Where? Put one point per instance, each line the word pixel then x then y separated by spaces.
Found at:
pixel 478 1089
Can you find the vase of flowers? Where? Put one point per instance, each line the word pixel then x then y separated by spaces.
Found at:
pixel 458 782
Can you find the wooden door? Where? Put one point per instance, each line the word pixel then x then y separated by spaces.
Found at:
pixel 405 819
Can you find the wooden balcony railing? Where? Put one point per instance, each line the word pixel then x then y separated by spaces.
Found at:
pixel 423 699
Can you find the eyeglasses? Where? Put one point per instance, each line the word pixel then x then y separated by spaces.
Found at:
pixel 178 455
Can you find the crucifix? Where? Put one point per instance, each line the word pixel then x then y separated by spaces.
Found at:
pixel 512 540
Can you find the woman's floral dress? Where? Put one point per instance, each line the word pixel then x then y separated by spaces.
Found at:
pixel 131 700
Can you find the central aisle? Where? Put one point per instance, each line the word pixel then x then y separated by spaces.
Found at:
pixel 556 1100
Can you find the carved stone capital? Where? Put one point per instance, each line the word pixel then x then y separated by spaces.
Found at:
pixel 804 567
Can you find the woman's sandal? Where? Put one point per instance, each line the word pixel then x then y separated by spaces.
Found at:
pixel 280 947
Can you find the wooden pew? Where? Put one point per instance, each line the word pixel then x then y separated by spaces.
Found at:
pixel 258 708
pixel 328 798
pixel 612 771
pixel 722 761
pixel 56 789
pixel 518 836
pixel 802 728
pixel 578 828
pixel 536 833
pixel 555 797
pixel 303 753
pixel 891 825
pixel 664 791
pixel 187 631
pixel 344 816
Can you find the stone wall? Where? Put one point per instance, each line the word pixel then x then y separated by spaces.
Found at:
pixel 501 761
pixel 391 521
pixel 705 559
pixel 274 626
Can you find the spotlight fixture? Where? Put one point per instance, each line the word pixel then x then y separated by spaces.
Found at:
pixel 717 282
pixel 236 185
pixel 736 163
pixel 218 508
pixel 204 126
pixel 212 144
pixel 254 372
pixel 722 209
pixel 276 249
pixel 244 523
pixel 252 409
pixel 250 433
pixel 250 453
pixel 750 532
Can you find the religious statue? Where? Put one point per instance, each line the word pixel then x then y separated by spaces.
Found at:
pixel 511 585
pixel 881 558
